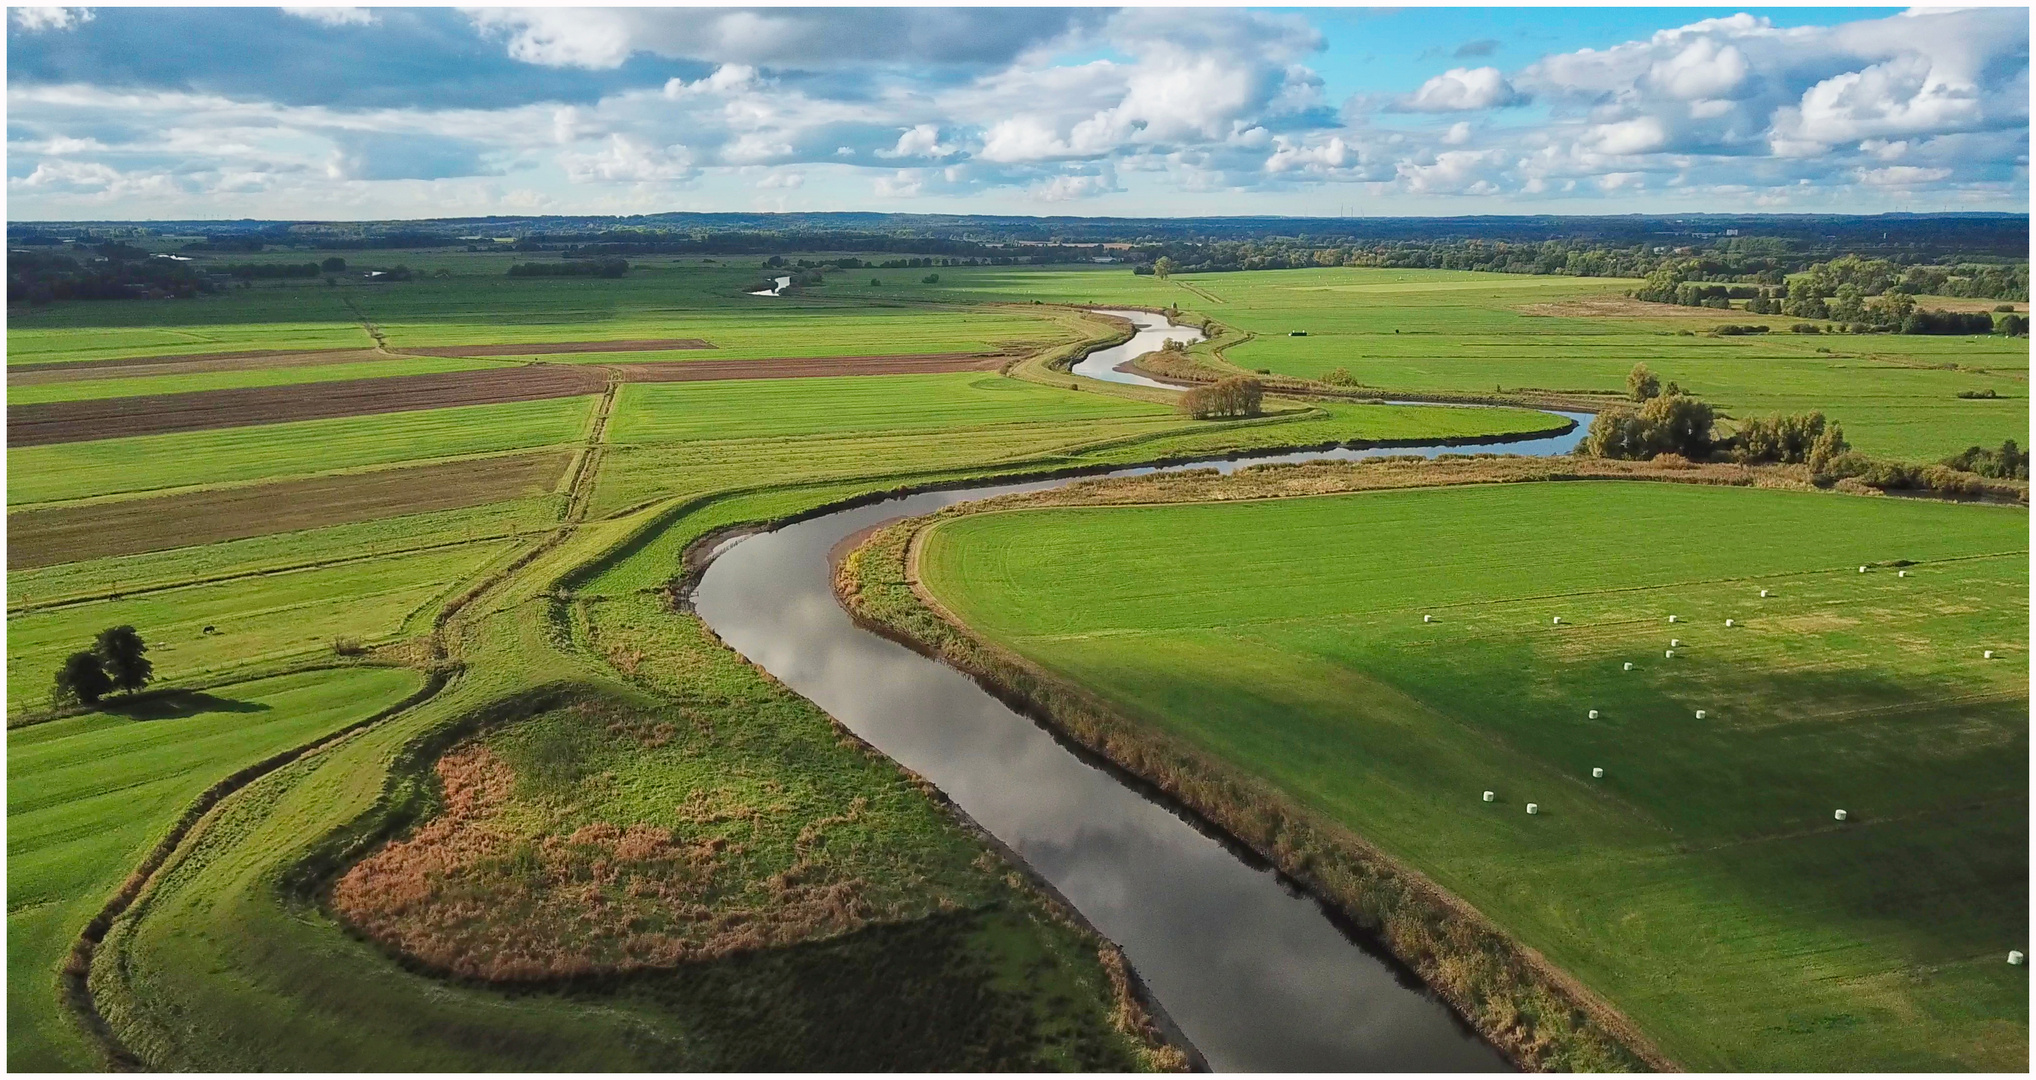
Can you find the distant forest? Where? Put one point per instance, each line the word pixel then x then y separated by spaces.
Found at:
pixel 1979 255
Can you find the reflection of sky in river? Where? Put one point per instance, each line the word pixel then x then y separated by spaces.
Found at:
pixel 1152 333
pixel 1257 977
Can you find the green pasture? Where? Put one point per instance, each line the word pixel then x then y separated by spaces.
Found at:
pixel 1465 332
pixel 65 471
pixel 383 537
pixel 255 619
pixel 87 797
pixel 1702 886
pixel 956 401
pixel 136 386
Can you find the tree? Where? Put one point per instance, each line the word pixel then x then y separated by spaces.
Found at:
pixel 333 265
pixel 1830 444
pixel 1669 424
pixel 1238 395
pixel 1641 383
pixel 81 679
pixel 123 654
pixel 1163 267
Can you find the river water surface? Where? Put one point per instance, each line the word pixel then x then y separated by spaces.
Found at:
pixel 1258 976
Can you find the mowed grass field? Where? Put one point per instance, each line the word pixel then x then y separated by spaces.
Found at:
pixel 1702 886
pixel 88 797
pixel 1465 332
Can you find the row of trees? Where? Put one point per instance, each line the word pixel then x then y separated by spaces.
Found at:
pixel 603 268
pixel 117 660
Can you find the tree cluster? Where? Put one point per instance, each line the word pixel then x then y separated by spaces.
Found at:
pixel 1238 395
pixel 117 660
pixel 1793 439
pixel 1670 423
pixel 2010 462
pixel 119 272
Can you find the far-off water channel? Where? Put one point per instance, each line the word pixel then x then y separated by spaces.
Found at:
pixel 1258 976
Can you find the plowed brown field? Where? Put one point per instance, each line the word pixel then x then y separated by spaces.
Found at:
pixel 131 526
pixel 155 414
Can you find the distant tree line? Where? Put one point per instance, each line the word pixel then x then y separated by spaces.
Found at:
pixel 603 268
pixel 118 272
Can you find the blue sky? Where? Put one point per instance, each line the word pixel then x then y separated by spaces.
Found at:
pixel 350 113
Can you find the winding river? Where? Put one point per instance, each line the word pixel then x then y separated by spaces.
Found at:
pixel 1256 974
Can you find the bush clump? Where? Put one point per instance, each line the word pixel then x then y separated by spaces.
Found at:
pixel 1673 423
pixel 2010 462
pixel 1238 395
pixel 1788 440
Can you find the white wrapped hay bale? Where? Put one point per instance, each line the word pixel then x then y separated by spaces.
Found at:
pixel 1763 594
pixel 1427 618
pixel 1675 643
pixel 1558 621
pixel 1533 808
pixel 1728 623
pixel 1671 618
pixel 1987 655
pixel 1862 569
pixel 1700 714
pixel 1901 573
pixel 1597 773
pixel 1629 665
pixel 1670 654
pixel 2015 957
pixel 1594 714
pixel 1488 796
pixel 1838 815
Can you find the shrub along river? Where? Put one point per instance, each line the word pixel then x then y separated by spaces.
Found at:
pixel 1256 974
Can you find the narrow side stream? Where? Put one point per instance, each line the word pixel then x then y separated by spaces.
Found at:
pixel 1256 974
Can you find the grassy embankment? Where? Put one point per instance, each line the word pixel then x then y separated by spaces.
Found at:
pixel 277 982
pixel 1276 671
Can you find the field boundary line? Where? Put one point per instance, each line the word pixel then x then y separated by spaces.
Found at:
pixel 74 977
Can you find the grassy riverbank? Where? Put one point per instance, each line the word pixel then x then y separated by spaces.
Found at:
pixel 1268 660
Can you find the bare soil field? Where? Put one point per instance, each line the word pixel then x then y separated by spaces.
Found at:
pixel 130 367
pixel 132 526
pixel 155 414
pixel 543 348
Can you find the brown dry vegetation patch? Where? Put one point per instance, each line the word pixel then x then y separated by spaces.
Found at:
pixel 1333 477
pixel 132 367
pixel 131 526
pixel 478 892
pixel 154 414
pixel 1625 307
pixel 799 367
pixel 546 348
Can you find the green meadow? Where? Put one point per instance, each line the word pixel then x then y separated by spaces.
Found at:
pixel 1437 331
pixel 1702 885
pixel 88 796
pixel 82 470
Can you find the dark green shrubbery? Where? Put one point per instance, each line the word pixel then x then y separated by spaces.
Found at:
pixel 1672 423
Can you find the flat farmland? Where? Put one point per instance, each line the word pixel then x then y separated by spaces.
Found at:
pixel 34 386
pixel 131 526
pixel 667 412
pixel 258 619
pixel 130 417
pixel 1447 331
pixel 295 319
pixel 1701 885
pixel 69 471
pixel 88 796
